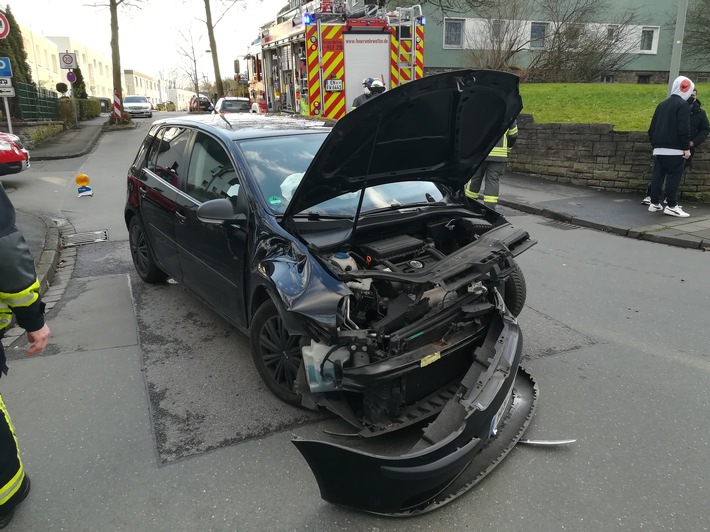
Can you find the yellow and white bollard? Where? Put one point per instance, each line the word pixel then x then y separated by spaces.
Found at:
pixel 82 181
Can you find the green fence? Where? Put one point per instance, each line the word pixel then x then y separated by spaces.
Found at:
pixel 36 104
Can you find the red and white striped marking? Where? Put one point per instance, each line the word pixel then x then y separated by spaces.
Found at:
pixel 117 106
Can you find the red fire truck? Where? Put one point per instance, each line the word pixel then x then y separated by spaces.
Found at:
pixel 314 58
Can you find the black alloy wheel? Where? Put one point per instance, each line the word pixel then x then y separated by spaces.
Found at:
pixel 277 354
pixel 142 258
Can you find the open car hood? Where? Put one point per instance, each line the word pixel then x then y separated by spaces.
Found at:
pixel 438 128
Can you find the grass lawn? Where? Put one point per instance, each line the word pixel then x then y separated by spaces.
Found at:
pixel 628 106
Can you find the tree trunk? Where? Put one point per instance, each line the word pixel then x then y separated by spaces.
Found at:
pixel 213 47
pixel 116 57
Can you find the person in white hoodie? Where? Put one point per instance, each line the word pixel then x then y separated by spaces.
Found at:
pixel 669 134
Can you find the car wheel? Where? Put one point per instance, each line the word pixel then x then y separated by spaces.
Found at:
pixel 150 115
pixel 516 291
pixel 276 353
pixel 142 257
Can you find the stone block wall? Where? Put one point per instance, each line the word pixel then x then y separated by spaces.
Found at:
pixel 595 155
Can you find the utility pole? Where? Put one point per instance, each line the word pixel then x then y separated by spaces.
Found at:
pixel 677 43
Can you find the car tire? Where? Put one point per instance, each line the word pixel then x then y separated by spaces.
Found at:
pixel 516 291
pixel 276 353
pixel 141 254
pixel 150 115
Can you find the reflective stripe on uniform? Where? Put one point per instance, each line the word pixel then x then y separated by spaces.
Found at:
pixel 5 316
pixel 21 299
pixel 11 486
pixel 490 199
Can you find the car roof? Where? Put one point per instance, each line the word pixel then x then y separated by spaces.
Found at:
pixel 236 126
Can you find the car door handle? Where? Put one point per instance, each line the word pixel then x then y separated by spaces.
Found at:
pixel 142 191
pixel 180 217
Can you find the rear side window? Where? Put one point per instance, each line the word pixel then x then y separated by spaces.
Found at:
pixel 171 154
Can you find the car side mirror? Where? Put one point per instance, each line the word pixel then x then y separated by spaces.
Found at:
pixel 218 211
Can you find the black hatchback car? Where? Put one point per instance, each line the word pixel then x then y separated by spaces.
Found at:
pixel 368 283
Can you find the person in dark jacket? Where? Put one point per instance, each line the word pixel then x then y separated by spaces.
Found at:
pixel 699 130
pixel 371 87
pixel 669 134
pixel 19 295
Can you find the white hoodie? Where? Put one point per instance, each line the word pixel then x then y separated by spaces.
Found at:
pixel 682 87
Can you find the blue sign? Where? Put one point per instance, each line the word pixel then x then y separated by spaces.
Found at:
pixel 5 68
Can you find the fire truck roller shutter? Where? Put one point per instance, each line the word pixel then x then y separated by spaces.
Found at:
pixel 367 55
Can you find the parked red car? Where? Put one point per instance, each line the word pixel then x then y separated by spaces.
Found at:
pixel 14 158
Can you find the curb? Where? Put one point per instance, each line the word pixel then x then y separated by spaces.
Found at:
pixel 675 240
pixel 46 267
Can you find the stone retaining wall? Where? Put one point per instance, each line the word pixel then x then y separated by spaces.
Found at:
pixel 595 155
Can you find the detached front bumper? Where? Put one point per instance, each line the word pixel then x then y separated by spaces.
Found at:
pixel 473 432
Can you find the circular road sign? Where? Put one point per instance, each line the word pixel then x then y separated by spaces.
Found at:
pixel 71 77
pixel 4 26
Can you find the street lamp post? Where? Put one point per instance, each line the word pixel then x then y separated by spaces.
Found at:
pixel 677 43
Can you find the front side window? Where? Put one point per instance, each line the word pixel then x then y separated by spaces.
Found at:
pixel 212 174
pixel 453 33
pixel 538 32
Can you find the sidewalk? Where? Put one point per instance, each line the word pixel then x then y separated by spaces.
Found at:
pixel 71 142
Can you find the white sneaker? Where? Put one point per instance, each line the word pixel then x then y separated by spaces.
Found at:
pixel 655 207
pixel 646 200
pixel 676 211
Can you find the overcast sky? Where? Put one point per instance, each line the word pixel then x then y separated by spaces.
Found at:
pixel 149 36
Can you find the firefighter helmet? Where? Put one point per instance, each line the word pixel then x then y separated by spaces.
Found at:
pixel 373 86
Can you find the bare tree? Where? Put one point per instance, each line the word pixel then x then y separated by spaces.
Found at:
pixel 578 48
pixel 696 42
pixel 498 35
pixel 115 52
pixel 187 50
pixel 227 4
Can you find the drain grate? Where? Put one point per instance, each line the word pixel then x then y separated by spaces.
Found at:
pixel 559 224
pixel 90 237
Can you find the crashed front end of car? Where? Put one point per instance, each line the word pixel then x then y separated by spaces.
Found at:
pixel 422 326
pixel 438 344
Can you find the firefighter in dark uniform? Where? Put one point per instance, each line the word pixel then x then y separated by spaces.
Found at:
pixel 19 295
pixel 491 170
pixel 371 87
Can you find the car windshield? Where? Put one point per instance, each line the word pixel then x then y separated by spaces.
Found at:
pixel 235 105
pixel 135 99
pixel 278 164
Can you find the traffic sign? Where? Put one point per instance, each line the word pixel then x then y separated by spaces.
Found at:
pixel 7 92
pixel 71 77
pixel 5 68
pixel 67 60
pixel 5 82
pixel 4 26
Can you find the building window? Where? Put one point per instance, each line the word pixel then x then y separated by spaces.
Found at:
pixel 497 30
pixel 649 40
pixel 607 78
pixel 612 33
pixel 538 31
pixel 453 33
pixel 643 79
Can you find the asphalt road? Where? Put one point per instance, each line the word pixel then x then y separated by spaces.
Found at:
pixel 158 420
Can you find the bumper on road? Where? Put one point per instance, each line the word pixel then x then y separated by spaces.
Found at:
pixel 471 435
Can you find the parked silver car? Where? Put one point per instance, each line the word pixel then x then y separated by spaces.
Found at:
pixel 138 106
